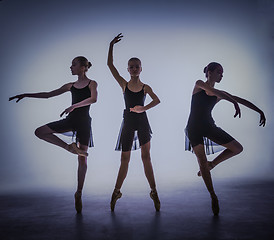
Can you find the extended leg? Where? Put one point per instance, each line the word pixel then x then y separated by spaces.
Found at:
pixel 81 174
pixel 145 153
pixel 202 160
pixel 125 157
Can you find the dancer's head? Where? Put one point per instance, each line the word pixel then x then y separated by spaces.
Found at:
pixel 214 71
pixel 134 66
pixel 80 65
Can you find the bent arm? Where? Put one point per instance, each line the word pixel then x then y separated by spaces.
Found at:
pixel 50 94
pixel 219 94
pixel 155 100
pixel 121 81
pixel 251 106
pixel 213 91
pixel 92 99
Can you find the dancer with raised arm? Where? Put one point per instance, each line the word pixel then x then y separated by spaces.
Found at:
pixel 135 120
pixel 84 93
pixel 201 131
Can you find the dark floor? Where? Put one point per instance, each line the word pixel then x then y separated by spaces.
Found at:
pixel 246 213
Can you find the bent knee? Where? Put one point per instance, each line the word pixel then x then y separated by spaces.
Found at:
pixel 39 132
pixel 238 148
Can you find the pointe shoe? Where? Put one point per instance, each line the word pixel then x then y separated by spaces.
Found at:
pixel 155 198
pixel 75 150
pixel 210 167
pixel 215 205
pixel 115 196
pixel 78 202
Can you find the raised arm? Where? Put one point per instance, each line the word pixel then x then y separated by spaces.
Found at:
pixel 155 101
pixel 50 94
pixel 251 106
pixel 219 94
pixel 122 82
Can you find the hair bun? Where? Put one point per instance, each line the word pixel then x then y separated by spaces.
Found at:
pixel 205 69
pixel 89 64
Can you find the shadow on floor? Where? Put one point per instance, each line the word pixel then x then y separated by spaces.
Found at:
pixel 246 213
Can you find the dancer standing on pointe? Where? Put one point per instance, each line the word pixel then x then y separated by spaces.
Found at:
pixel 201 131
pixel 84 93
pixel 135 119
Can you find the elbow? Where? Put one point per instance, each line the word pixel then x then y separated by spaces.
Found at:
pixel 109 63
pixel 93 100
pixel 157 101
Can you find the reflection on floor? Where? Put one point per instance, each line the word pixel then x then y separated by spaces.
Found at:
pixel 246 213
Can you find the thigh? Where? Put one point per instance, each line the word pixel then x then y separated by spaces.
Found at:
pixel 127 137
pixel 195 136
pixel 144 136
pixel 83 132
pixel 219 136
pixel 60 126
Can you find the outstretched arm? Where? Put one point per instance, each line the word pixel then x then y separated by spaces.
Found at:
pixel 251 106
pixel 155 101
pixel 50 94
pixel 220 95
pixel 122 82
pixel 92 99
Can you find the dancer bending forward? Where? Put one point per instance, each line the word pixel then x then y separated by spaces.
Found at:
pixel 84 93
pixel 201 131
pixel 135 120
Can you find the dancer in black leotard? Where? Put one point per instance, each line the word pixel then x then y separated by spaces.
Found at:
pixel 201 129
pixel 135 120
pixel 84 93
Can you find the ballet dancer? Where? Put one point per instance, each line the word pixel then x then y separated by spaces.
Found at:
pixel 201 131
pixel 78 120
pixel 134 120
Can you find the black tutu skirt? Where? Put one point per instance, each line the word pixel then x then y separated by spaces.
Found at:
pixel 210 146
pixel 136 130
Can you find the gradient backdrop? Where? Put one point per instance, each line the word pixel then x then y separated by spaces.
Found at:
pixel 175 40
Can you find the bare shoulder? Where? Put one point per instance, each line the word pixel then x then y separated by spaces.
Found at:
pixel 199 83
pixel 198 86
pixel 67 86
pixel 93 84
pixel 147 88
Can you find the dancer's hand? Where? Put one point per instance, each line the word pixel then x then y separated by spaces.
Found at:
pixel 19 97
pixel 262 119
pixel 238 110
pixel 116 39
pixel 137 109
pixel 68 110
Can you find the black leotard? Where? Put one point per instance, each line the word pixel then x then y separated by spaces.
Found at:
pixel 201 126
pixel 78 121
pixel 133 122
